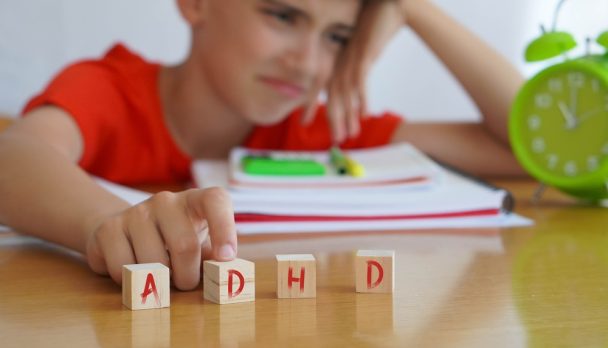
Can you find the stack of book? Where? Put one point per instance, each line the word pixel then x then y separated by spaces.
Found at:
pixel 401 188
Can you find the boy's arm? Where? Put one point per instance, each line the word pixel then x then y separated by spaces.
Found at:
pixel 45 194
pixel 490 80
pixel 468 146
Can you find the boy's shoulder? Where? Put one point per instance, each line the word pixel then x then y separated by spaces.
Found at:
pixel 119 75
pixel 125 60
pixel 118 66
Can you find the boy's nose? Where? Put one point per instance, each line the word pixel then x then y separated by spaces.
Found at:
pixel 303 56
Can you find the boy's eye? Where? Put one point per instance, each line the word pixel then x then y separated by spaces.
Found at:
pixel 285 16
pixel 339 39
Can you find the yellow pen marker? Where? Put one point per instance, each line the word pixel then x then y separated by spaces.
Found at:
pixel 345 164
pixel 354 168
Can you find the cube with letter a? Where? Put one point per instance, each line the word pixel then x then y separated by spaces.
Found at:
pixel 145 286
pixel 375 271
pixel 229 281
pixel 296 276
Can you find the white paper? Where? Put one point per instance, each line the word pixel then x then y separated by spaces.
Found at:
pixel 397 162
pixel 447 193
pixel 499 221
pixel 450 193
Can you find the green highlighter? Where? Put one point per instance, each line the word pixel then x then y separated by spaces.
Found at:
pixel 265 165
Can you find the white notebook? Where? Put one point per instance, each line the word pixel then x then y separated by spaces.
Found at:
pixel 445 199
pixel 391 165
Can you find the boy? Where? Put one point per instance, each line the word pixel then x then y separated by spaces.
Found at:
pixel 252 62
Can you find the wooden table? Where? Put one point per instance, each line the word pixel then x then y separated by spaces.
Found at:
pixel 541 286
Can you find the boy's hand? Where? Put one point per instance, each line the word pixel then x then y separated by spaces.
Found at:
pixel 175 229
pixel 378 22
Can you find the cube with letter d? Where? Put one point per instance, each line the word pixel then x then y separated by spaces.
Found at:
pixel 296 276
pixel 229 281
pixel 145 286
pixel 375 271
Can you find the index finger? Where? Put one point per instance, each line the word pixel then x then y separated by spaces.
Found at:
pixel 214 205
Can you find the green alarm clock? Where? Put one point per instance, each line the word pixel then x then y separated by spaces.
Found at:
pixel 558 125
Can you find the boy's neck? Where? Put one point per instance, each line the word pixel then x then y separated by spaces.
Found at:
pixel 197 121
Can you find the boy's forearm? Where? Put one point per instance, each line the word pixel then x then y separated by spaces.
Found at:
pixel 487 76
pixel 45 195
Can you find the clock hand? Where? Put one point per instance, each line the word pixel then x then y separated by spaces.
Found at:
pixel 568 116
pixel 587 115
pixel 573 100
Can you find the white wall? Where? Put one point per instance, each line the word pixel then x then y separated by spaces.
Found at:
pixel 38 37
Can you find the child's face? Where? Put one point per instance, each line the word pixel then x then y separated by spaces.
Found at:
pixel 264 58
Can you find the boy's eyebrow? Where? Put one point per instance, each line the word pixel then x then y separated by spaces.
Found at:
pixel 289 7
pixel 300 12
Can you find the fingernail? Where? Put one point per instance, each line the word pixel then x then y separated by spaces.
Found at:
pixel 226 252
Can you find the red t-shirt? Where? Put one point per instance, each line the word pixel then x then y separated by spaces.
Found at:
pixel 116 104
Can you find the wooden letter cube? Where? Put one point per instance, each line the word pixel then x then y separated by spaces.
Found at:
pixel 375 271
pixel 229 282
pixel 145 286
pixel 296 276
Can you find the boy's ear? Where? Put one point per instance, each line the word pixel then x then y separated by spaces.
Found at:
pixel 192 10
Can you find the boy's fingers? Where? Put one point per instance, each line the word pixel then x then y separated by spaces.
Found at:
pixel 362 100
pixel 347 102
pixel 115 247
pixel 179 232
pixel 214 205
pixel 207 250
pixel 310 110
pixel 336 119
pixel 95 257
pixel 353 119
pixel 146 239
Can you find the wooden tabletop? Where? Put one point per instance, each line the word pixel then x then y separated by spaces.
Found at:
pixel 540 286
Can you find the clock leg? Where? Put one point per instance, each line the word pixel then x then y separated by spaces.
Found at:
pixel 604 202
pixel 538 193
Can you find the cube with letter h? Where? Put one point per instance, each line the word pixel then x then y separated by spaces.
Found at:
pixel 145 286
pixel 229 282
pixel 296 276
pixel 375 271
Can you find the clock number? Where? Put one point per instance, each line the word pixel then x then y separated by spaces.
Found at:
pixel 556 85
pixel 538 145
pixel 552 160
pixel 543 101
pixel 534 122
pixel 576 79
pixel 592 163
pixel 570 168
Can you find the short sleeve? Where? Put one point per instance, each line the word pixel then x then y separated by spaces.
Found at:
pixel 87 91
pixel 291 134
pixel 376 130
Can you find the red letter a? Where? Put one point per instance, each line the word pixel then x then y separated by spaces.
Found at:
pixel 231 273
pixel 376 264
pixel 149 288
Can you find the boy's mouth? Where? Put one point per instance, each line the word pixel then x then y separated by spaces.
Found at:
pixel 286 88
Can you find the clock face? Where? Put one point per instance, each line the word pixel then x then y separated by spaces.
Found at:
pixel 561 125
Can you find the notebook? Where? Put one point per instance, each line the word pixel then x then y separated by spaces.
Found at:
pixel 392 165
pixel 403 188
